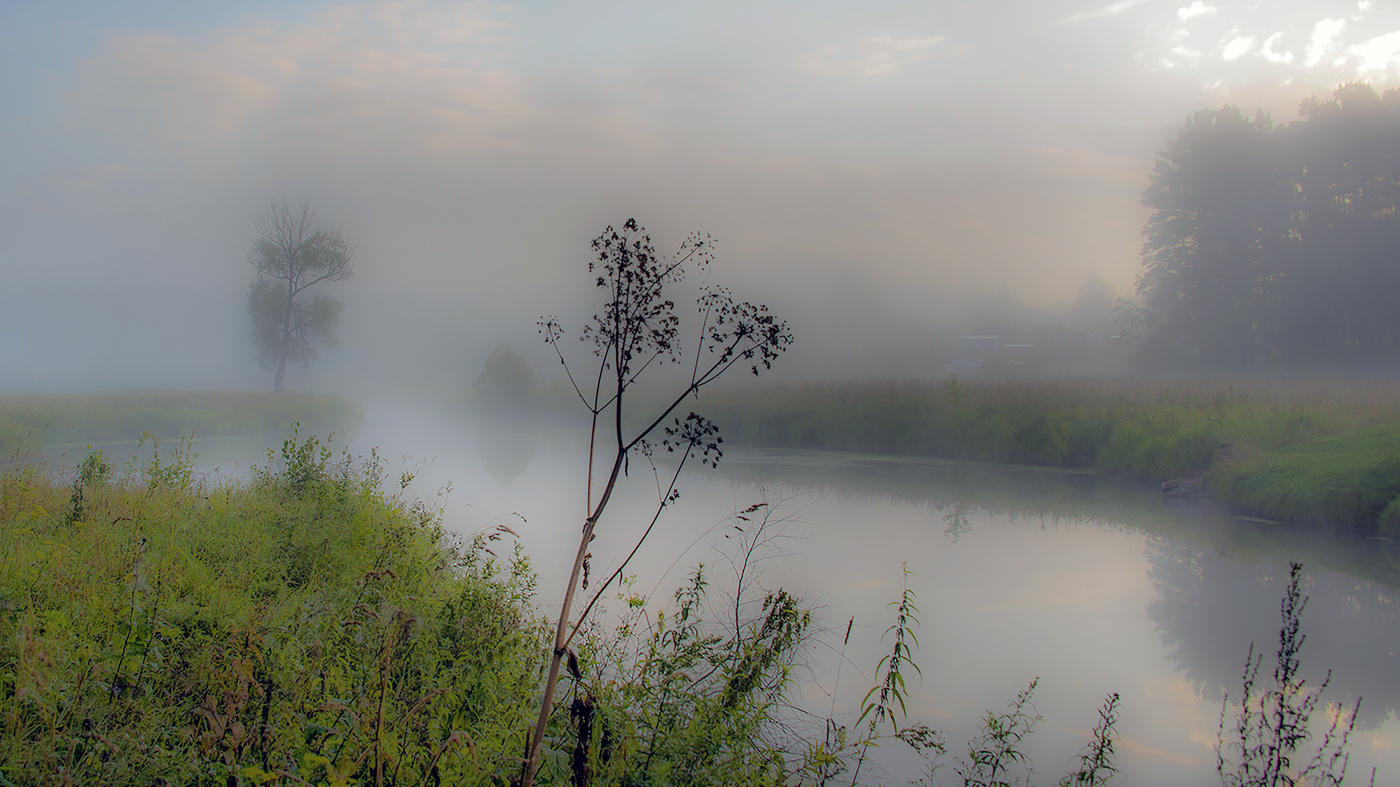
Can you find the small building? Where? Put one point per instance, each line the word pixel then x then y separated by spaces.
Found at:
pixel 978 343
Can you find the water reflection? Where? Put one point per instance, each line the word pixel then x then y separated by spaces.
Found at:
pixel 506 447
pixel 1218 579
pixel 1210 608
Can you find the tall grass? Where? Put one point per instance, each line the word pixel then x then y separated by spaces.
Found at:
pixel 302 628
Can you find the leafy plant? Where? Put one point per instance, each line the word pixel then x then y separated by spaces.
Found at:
pixel 1096 761
pixel 995 752
pixel 891 689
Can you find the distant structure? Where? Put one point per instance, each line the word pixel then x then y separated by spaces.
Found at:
pixel 978 343
pixel 972 351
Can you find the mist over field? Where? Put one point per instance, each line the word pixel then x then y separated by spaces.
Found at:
pixel 887 178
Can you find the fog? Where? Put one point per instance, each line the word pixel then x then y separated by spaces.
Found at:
pixel 872 173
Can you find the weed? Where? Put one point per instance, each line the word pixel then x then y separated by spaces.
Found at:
pixel 635 327
pixel 1096 761
pixel 995 752
pixel 1273 723
pixel 891 689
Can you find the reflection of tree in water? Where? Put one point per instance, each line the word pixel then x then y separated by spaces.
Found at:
pixel 506 449
pixel 1210 607
pixel 957 520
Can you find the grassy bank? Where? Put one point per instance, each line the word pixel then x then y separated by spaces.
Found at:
pixel 308 628
pixel 1302 453
pixel 301 627
pixel 27 423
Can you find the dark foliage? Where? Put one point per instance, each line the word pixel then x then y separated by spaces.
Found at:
pixel 1276 243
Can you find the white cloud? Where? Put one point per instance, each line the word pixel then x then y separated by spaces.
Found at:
pixel 874 56
pixel 1196 9
pixel 1268 52
pixel 1378 54
pixel 1237 47
pixel 1178 37
pixel 1112 9
pixel 1323 34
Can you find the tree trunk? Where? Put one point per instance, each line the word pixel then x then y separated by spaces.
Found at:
pixel 286 332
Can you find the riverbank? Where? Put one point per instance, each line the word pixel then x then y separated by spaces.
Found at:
pixel 28 423
pixel 308 627
pixel 1319 455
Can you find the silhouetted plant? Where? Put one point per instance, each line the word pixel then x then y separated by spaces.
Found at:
pixel 995 751
pixel 931 745
pixel 636 327
pixel 891 689
pixel 1096 765
pixel 1272 724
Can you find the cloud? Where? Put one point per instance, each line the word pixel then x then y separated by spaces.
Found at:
pixel 1323 34
pixel 1237 47
pixel 1378 54
pixel 1268 53
pixel 1112 9
pixel 1194 10
pixel 874 56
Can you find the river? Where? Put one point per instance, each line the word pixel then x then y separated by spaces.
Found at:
pixel 1092 585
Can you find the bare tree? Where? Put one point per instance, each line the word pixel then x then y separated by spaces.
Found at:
pixel 292 255
pixel 636 328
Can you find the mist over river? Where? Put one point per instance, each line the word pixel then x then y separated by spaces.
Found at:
pixel 1091 584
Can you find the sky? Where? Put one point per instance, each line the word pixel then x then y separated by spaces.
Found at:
pixel 874 169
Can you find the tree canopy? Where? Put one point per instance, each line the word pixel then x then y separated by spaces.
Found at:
pixel 505 381
pixel 1277 243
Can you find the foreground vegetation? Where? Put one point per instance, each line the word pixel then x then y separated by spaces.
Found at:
pixel 27 423
pixel 303 626
pixel 1321 456
pixel 307 627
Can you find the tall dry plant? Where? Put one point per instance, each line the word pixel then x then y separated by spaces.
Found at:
pixel 636 328
pixel 1273 722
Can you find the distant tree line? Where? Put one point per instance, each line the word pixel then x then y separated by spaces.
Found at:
pixel 1276 243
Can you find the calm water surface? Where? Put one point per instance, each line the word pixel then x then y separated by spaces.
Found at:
pixel 1092 585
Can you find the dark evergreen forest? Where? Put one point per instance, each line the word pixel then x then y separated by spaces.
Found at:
pixel 1276 244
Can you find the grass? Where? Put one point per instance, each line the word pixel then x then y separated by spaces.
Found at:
pixel 1348 482
pixel 304 627
pixel 1321 455
pixel 27 423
